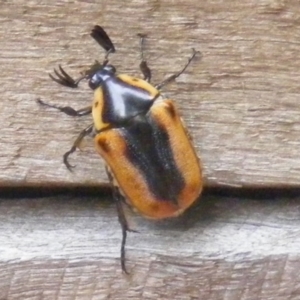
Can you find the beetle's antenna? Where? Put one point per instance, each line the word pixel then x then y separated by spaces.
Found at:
pixel 63 78
pixel 102 38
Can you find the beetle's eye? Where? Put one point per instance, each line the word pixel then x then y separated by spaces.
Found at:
pixel 92 85
pixel 110 68
pixel 95 81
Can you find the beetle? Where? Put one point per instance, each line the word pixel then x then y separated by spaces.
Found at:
pixel 150 160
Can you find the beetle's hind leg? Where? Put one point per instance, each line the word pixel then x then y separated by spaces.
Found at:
pixel 76 144
pixel 174 76
pixel 124 227
pixel 119 199
pixel 143 64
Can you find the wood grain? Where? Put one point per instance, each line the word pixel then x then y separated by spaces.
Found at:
pixel 225 248
pixel 240 101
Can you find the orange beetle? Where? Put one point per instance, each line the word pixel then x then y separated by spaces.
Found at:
pixel 151 162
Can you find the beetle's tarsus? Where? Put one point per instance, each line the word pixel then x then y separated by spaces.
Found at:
pixel 146 71
pixel 66 156
pixel 123 243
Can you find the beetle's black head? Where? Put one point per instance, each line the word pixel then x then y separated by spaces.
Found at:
pixel 100 75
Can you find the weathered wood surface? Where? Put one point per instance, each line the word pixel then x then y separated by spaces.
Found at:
pixel 240 101
pixel 225 248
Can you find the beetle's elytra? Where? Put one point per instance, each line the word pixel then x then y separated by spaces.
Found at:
pixel 151 162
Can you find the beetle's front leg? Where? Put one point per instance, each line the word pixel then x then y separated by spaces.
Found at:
pixel 70 111
pixel 176 75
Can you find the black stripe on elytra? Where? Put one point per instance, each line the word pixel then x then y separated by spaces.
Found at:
pixel 149 150
pixel 123 101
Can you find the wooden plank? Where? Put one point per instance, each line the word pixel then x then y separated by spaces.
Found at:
pixel 240 101
pixel 225 248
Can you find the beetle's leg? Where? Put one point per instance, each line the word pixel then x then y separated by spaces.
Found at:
pixel 124 227
pixel 65 79
pixel 119 199
pixel 174 76
pixel 76 144
pixel 68 110
pixel 143 65
pixel 102 38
